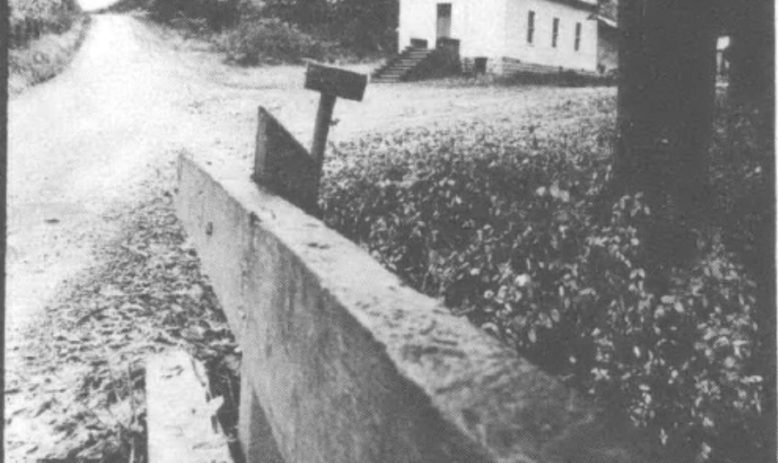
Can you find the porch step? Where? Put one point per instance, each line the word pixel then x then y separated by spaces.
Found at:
pixel 396 69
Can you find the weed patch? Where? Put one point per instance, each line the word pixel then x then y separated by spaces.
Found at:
pixel 500 222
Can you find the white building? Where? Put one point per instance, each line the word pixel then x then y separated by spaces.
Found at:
pixel 507 35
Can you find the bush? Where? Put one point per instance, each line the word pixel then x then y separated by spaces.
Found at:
pixel 501 226
pixel 217 14
pixel 272 41
pixel 28 20
pixel 362 26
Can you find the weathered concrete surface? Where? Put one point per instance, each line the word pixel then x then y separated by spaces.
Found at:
pixel 351 366
pixel 181 419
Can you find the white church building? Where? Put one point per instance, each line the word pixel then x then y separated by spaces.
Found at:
pixel 504 36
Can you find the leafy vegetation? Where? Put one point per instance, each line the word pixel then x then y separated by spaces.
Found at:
pixel 508 228
pixel 29 19
pixel 363 26
pixel 283 31
pixel 43 37
pixel 272 41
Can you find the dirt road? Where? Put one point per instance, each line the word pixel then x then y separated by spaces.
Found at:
pixel 78 145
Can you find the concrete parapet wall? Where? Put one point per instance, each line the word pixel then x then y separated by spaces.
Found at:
pixel 349 365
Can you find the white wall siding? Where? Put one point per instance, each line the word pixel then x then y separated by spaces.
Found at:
pixel 497 29
pixel 476 23
pixel 417 21
pixel 541 51
pixel 483 35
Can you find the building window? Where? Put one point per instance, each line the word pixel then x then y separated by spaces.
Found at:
pixel 530 26
pixel 577 36
pixel 555 32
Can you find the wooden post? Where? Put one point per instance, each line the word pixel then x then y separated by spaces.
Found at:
pixel 322 127
pixel 332 83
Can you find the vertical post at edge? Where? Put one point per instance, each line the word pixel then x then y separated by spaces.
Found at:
pixel 322 127
pixel 260 149
pixel 254 432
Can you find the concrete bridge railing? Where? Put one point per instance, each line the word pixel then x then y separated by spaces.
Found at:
pixel 343 363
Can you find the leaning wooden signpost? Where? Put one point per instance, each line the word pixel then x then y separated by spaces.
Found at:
pixel 332 83
pixel 281 163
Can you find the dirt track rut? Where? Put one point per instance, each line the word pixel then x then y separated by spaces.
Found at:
pixel 79 146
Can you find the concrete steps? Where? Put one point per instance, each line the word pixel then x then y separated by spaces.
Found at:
pixel 399 67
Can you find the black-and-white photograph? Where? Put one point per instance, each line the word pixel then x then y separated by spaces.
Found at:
pixel 389 231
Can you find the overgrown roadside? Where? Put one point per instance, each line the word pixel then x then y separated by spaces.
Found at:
pixel 502 219
pixel 44 43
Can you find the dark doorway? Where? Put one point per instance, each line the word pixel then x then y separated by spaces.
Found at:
pixel 480 66
pixel 444 20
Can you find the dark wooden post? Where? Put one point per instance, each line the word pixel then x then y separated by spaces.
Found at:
pixel 284 166
pixel 280 162
pixel 322 127
pixel 332 83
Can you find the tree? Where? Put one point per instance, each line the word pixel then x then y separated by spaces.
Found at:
pixel 364 25
pixel 665 114
pixel 369 25
pixel 666 103
pixel 752 98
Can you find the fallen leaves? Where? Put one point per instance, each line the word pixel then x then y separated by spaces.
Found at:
pixel 76 379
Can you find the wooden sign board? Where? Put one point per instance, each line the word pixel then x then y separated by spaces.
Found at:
pixel 335 82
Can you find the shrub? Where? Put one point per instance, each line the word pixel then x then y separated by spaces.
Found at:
pixel 28 20
pixel 501 226
pixel 252 33
pixel 217 14
pixel 362 26
pixel 271 41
